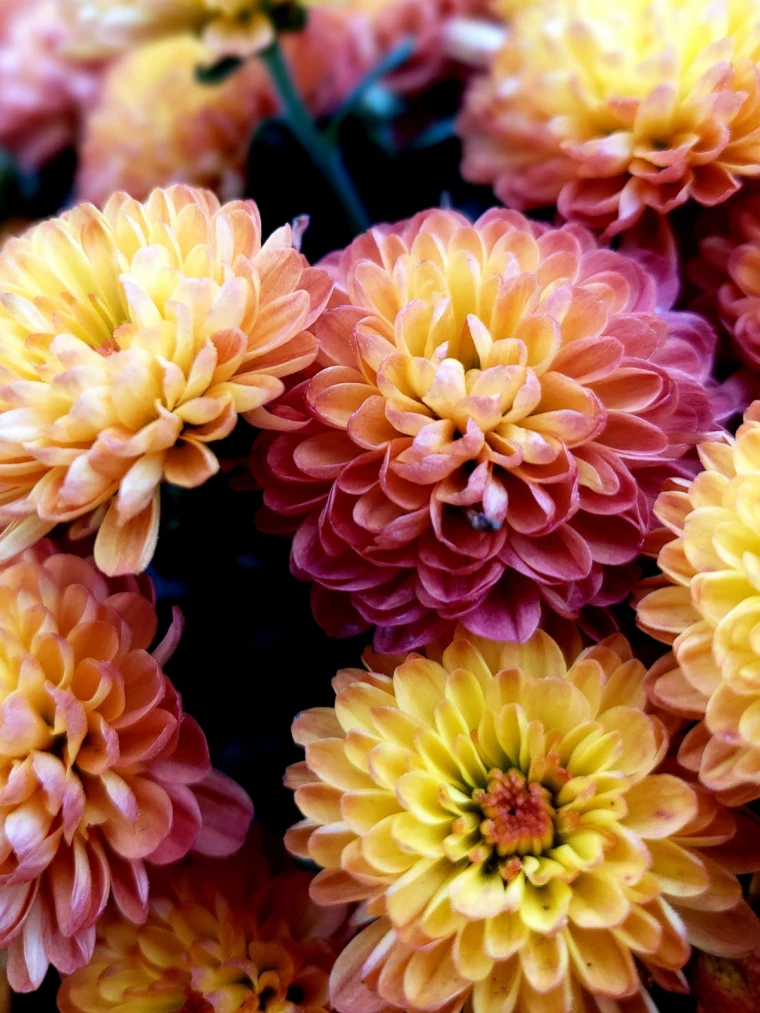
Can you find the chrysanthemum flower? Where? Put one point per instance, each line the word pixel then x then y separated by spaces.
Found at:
pixel 710 612
pixel 130 340
pixel 610 108
pixel 728 270
pixel 489 394
pixel 100 770
pixel 44 94
pixel 217 940
pixel 498 812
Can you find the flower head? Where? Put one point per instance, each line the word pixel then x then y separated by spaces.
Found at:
pixel 709 611
pixel 610 108
pixel 728 270
pixel 488 394
pixel 498 812
pixel 217 940
pixel 130 340
pixel 100 770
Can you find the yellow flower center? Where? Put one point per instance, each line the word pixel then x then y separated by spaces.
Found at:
pixel 519 816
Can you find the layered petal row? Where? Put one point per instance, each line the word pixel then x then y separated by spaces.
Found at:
pixel 496 807
pixel 101 771
pixel 131 339
pixel 609 109
pixel 490 400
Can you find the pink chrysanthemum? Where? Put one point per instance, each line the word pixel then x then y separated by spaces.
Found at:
pixel 100 770
pixel 489 396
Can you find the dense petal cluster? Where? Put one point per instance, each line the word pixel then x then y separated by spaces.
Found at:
pixel 100 770
pixel 710 613
pixel 607 109
pixel 728 270
pixel 498 812
pixel 489 395
pixel 130 340
pixel 217 940
pixel 44 94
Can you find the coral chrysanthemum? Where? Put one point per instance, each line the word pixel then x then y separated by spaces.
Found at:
pixel 100 770
pixel 44 94
pixel 130 340
pixel 610 108
pixel 498 812
pixel 489 394
pixel 728 270
pixel 217 940
pixel 711 611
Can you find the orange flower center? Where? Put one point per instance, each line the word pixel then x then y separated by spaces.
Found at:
pixel 518 814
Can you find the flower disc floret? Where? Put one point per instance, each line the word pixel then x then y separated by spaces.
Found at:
pixel 131 339
pixel 101 771
pixel 499 812
pixel 610 109
pixel 489 395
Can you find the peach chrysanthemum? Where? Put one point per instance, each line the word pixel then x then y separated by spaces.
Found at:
pixel 728 270
pixel 497 811
pixel 100 770
pixel 130 340
pixel 489 398
pixel 710 613
pixel 610 108
pixel 44 94
pixel 217 940
pixel 156 123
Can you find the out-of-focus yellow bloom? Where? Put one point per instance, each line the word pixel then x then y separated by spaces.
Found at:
pixel 497 811
pixel 107 26
pixel 130 340
pixel 219 938
pixel 607 109
pixel 711 614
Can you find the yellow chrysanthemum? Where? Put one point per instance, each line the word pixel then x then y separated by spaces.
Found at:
pixel 105 26
pixel 711 614
pixel 607 109
pixel 130 340
pixel 497 812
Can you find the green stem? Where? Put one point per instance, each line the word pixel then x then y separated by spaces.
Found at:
pixel 324 155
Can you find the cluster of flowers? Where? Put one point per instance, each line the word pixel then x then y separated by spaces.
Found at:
pixel 475 434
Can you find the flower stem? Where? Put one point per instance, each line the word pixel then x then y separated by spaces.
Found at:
pixel 324 154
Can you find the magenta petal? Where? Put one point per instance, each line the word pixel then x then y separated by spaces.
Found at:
pixel 129 883
pixel 511 611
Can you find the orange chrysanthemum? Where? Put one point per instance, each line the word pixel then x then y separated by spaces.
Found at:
pixel 498 813
pixel 711 611
pixel 217 940
pixel 130 340
pixel 490 396
pixel 728 270
pixel 100 770
pixel 44 94
pixel 610 108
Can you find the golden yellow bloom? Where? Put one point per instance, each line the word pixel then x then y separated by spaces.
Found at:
pixel 607 109
pixel 497 811
pixel 219 938
pixel 107 26
pixel 130 340
pixel 711 612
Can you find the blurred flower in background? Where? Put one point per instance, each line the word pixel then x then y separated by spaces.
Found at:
pixel 133 338
pixel 100 770
pixel 496 807
pixel 488 398
pixel 219 937
pixel 607 109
